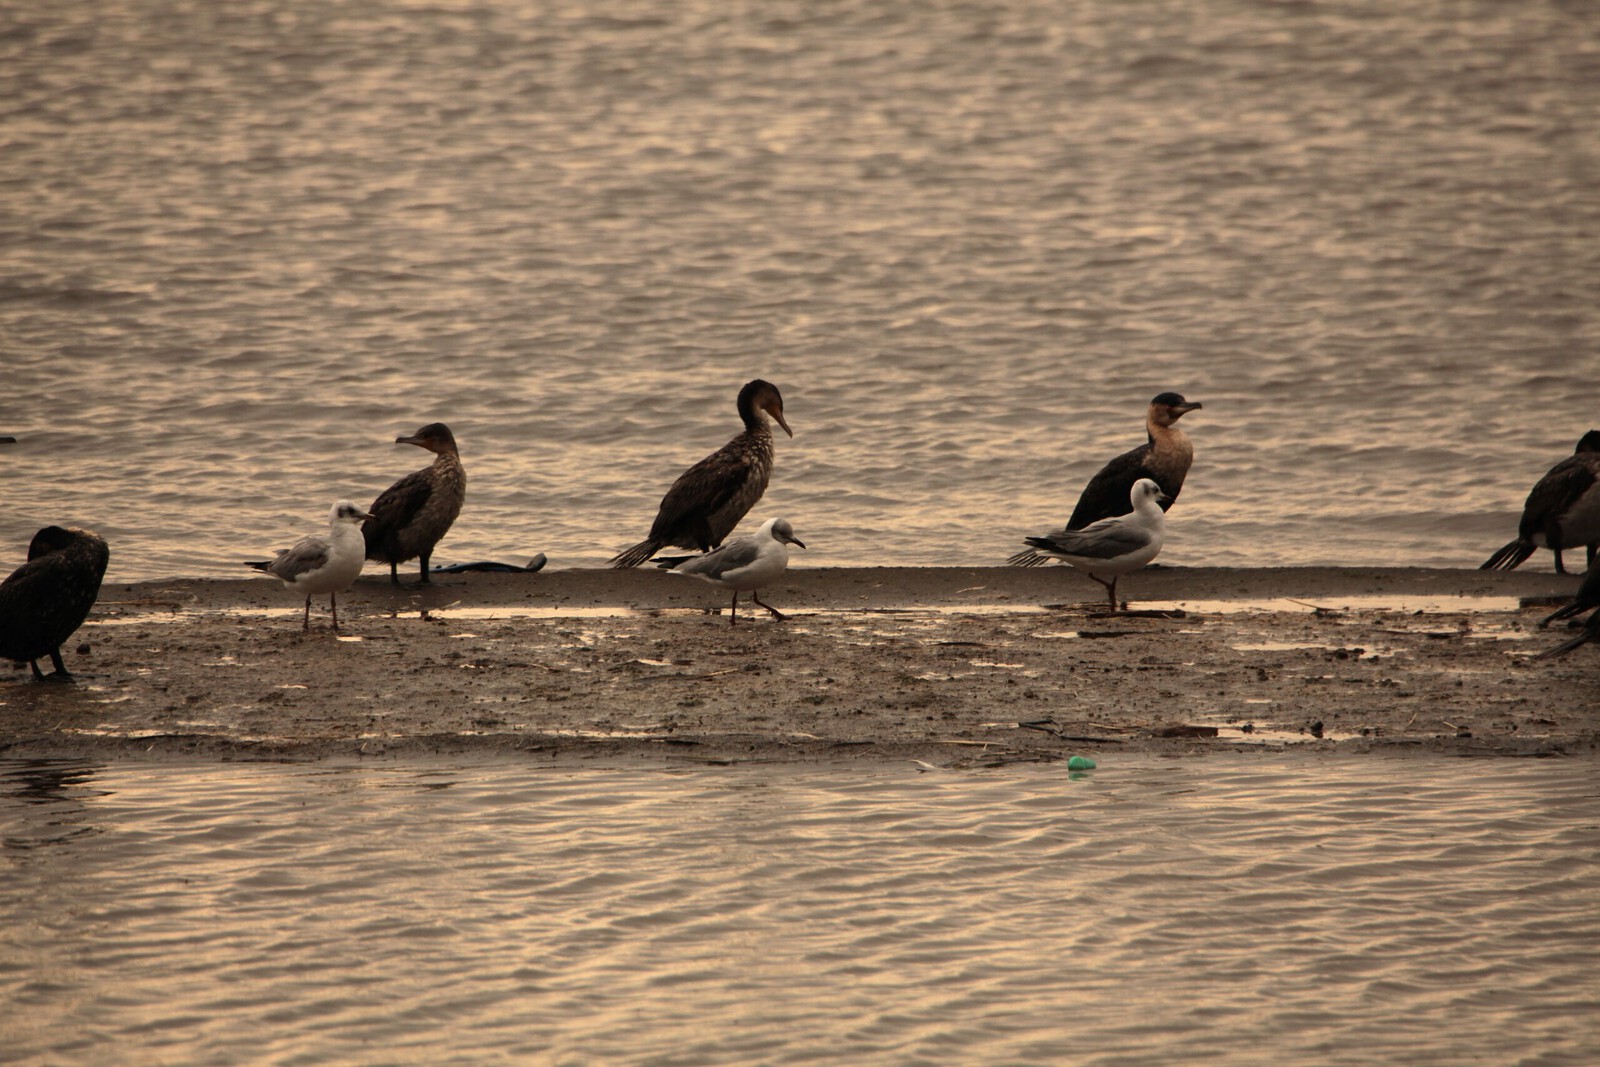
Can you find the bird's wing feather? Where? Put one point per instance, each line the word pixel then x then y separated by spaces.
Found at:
pixel 1557 491
pixel 306 554
pixel 704 488
pixel 1107 540
pixel 730 557
pixel 1107 494
pixel 397 505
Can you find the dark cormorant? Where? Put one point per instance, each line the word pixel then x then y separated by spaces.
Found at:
pixel 1588 597
pixel 1164 458
pixel 708 500
pixel 413 514
pixel 1562 510
pixel 45 600
pixel 318 564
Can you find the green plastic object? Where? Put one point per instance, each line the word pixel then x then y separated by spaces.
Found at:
pixel 1080 763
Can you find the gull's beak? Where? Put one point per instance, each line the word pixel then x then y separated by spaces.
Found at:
pixel 797 541
pixel 1162 498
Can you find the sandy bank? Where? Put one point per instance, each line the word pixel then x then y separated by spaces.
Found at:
pixel 938 664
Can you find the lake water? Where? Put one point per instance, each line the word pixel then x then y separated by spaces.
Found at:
pixel 1226 909
pixel 245 245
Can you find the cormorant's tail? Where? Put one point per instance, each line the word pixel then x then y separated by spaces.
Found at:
pixel 637 554
pixel 1510 557
pixel 1589 633
pixel 1577 607
pixel 1028 558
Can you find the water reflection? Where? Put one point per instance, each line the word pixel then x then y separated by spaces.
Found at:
pixel 1228 909
pixel 62 787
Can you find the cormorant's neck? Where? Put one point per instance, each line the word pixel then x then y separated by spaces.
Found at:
pixel 1167 437
pixel 755 420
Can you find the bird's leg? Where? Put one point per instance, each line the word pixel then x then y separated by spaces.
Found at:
pixel 733 617
pixel 1111 589
pixel 305 624
pixel 425 579
pixel 1559 568
pixel 333 606
pixel 37 673
pixel 394 573
pixel 776 614
pixel 61 671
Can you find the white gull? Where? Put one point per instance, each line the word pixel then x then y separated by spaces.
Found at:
pixel 318 564
pixel 744 564
pixel 1111 547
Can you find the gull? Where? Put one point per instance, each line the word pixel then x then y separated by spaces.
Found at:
pixel 45 600
pixel 318 564
pixel 411 516
pixel 744 564
pixel 1165 458
pixel 1588 597
pixel 1112 546
pixel 707 501
pixel 1562 510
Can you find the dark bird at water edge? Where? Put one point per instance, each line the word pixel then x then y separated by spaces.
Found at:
pixel 707 501
pixel 411 516
pixel 45 600
pixel 1588 597
pixel 1562 510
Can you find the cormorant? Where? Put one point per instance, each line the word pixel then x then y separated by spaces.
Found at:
pixel 45 600
pixel 411 516
pixel 1562 510
pixel 708 500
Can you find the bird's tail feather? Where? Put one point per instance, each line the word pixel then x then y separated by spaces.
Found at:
pixel 258 564
pixel 666 563
pixel 1574 608
pixel 637 554
pixel 1588 634
pixel 1509 557
pixel 1028 558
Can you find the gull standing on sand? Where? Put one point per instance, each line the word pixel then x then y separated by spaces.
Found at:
pixel 1112 546
pixel 411 516
pixel 318 564
pixel 1588 597
pixel 707 501
pixel 744 564
pixel 1164 458
pixel 1562 510
pixel 45 600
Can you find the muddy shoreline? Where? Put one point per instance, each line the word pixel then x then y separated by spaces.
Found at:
pixel 951 666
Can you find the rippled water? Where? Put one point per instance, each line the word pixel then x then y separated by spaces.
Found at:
pixel 245 245
pixel 1218 910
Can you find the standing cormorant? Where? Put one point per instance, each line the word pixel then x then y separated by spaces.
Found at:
pixel 744 564
pixel 318 564
pixel 1164 458
pixel 45 600
pixel 1113 546
pixel 1562 510
pixel 413 514
pixel 708 500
